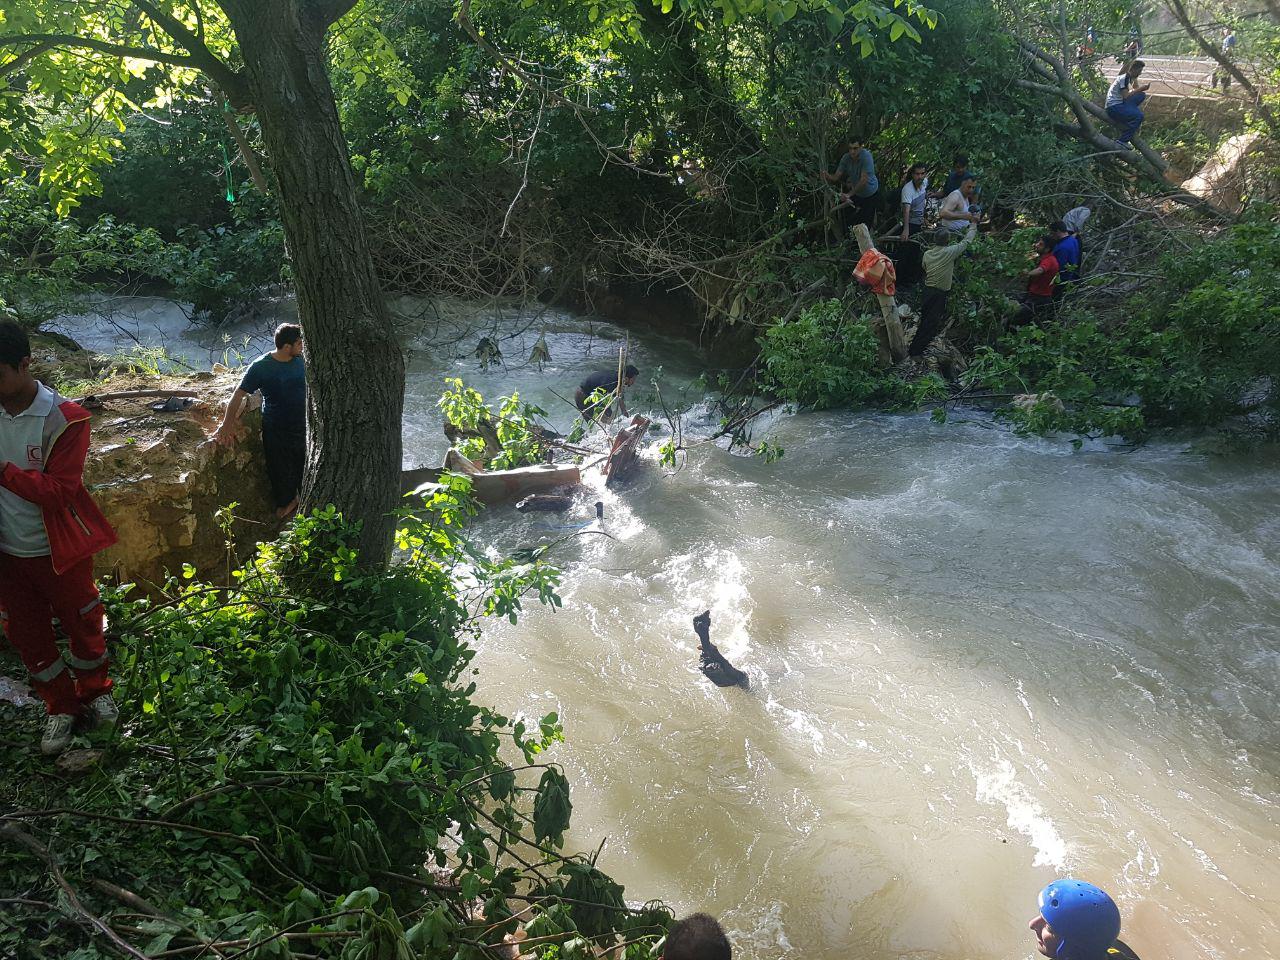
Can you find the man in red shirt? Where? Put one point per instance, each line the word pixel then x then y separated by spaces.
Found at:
pixel 50 528
pixel 1037 302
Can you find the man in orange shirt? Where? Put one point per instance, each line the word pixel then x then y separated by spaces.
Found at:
pixel 1038 300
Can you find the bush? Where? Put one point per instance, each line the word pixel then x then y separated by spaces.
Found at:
pixel 298 748
pixel 1200 351
pixel 823 358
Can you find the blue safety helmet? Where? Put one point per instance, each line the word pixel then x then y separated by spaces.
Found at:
pixel 1086 920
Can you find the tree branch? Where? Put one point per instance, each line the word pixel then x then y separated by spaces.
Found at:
pixel 1085 110
pixel 48 41
pixel 247 152
pixel 201 57
pixel 322 14
pixel 26 56
pixel 20 837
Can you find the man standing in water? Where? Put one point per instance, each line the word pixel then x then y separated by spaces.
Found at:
pixel 281 376
pixel 606 380
pixel 1078 921
pixel 50 528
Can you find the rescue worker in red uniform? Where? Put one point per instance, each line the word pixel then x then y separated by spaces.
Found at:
pixel 50 528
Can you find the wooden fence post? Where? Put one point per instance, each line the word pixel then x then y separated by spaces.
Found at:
pixel 889 329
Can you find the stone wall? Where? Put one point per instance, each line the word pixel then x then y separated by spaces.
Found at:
pixel 161 481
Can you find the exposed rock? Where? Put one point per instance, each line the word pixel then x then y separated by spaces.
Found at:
pixel 1221 181
pixel 945 357
pixel 76 763
pixel 1030 401
pixel 161 482
pixel 941 357
pixel 16 692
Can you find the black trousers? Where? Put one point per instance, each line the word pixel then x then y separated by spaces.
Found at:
pixel 859 210
pixel 1034 309
pixel 286 454
pixel 933 317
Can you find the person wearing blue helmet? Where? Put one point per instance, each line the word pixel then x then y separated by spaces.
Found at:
pixel 1078 921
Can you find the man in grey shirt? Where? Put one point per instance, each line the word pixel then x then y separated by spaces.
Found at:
pixel 856 175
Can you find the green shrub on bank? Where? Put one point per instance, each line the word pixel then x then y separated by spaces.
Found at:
pixel 298 751
pixel 822 358
pixel 826 358
pixel 1200 350
pixel 48 263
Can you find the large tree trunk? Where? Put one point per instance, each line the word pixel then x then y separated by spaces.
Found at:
pixel 355 368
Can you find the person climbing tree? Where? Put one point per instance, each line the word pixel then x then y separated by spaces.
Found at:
pixel 856 174
pixel 281 377
pixel 50 528
pixel 1124 99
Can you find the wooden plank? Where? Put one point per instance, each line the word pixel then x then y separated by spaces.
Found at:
pixel 889 329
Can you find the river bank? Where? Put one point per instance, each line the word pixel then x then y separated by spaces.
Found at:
pixel 977 661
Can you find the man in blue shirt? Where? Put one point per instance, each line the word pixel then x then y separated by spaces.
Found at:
pixel 1066 250
pixel 281 378
pixel 856 175
pixel 959 173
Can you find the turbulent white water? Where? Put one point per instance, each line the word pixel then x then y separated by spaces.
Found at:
pixel 977 662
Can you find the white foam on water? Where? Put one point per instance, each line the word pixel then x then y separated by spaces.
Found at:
pixel 1000 785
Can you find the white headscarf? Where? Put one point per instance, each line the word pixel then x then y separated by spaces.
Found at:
pixel 1075 218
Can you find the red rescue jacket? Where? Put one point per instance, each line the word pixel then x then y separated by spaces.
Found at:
pixel 75 526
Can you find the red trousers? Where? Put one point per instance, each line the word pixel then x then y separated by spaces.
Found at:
pixel 31 596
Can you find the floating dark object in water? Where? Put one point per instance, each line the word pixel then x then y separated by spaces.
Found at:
pixel 541 353
pixel 488 352
pixel 714 666
pixel 549 502
pixel 599 509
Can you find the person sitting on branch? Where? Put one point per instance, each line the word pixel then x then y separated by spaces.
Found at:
pixel 1124 100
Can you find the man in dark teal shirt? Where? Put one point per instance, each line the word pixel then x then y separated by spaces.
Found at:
pixel 281 378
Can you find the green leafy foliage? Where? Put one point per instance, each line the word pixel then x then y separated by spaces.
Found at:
pixel 520 440
pixel 1198 351
pixel 298 747
pixel 822 358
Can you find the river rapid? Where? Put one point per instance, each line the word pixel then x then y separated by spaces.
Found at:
pixel 977 662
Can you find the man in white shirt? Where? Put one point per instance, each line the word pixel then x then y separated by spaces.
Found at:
pixel 914 192
pixel 956 213
pixel 1123 102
